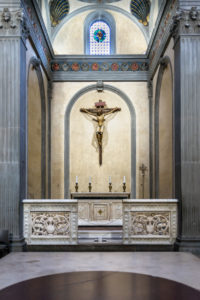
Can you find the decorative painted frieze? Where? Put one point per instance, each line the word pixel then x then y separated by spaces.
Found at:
pixel 186 22
pixel 99 66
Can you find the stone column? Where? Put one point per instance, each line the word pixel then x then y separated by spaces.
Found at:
pixel 13 33
pixel 186 32
pixel 150 96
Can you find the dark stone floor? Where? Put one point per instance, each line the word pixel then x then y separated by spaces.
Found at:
pixel 99 286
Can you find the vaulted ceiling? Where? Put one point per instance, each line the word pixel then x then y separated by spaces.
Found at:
pixel 143 12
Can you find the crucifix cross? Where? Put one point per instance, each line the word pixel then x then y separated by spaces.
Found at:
pixel 99 113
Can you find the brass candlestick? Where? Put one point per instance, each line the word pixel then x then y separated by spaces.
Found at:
pixel 90 187
pixel 124 187
pixel 110 187
pixel 76 187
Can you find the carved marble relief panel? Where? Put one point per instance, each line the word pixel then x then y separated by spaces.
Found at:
pixel 55 223
pixel 50 222
pixel 149 223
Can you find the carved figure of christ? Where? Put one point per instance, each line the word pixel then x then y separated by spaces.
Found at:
pixel 100 112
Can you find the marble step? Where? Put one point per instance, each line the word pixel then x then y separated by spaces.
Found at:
pixel 99 237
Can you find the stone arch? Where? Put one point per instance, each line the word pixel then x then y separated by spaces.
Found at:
pixel 67 134
pixel 164 63
pixel 36 63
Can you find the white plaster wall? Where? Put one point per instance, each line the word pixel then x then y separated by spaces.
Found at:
pixel 62 93
pixel 153 15
pixel 129 37
pixel 70 38
pixel 75 4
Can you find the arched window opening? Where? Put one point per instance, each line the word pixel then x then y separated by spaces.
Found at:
pixel 99 42
pixel 99 33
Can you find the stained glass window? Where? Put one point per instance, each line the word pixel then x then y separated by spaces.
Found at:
pixel 99 38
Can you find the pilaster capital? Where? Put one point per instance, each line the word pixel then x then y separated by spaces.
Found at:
pixel 13 23
pixel 186 22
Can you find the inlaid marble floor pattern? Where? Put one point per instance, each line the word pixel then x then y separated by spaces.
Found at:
pixel 180 267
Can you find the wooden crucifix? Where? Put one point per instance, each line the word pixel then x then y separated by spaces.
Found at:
pixel 100 112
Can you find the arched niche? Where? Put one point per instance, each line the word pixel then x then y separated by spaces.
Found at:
pixel 84 132
pixel 36 135
pixel 164 131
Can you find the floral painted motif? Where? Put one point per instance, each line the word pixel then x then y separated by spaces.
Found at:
pixel 105 67
pixel 65 67
pixel 134 67
pixel 125 67
pixel 114 67
pixel 95 67
pixel 85 67
pixel 75 67
pixel 55 67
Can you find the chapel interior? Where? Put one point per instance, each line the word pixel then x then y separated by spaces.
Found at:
pixel 100 148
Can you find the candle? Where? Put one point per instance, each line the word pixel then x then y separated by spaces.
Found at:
pixel 76 179
pixel 90 180
pixel 109 179
pixel 124 179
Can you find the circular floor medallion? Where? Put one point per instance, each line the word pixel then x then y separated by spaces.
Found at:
pixel 99 286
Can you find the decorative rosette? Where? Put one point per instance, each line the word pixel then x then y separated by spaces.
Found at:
pixel 95 67
pixel 134 67
pixel 85 67
pixel 75 67
pixel 99 35
pixel 55 67
pixel 65 67
pixel 114 67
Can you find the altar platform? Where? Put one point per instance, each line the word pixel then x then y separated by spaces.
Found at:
pixel 110 220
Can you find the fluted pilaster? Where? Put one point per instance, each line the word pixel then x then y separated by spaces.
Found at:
pixel 186 32
pixel 13 33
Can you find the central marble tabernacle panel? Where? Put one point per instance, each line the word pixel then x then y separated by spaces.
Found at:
pixel 100 208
